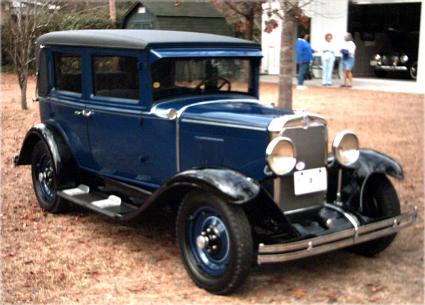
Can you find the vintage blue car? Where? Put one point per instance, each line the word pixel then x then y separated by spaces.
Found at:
pixel 134 119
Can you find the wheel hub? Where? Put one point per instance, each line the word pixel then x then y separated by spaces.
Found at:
pixel 202 242
pixel 209 240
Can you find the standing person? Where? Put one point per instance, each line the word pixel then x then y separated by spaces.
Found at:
pixel 304 56
pixel 328 60
pixel 348 52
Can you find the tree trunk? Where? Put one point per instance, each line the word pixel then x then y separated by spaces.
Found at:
pixel 112 11
pixel 286 61
pixel 23 86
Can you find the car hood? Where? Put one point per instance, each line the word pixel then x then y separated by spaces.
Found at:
pixel 244 112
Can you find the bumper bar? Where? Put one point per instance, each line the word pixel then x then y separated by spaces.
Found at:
pixel 325 243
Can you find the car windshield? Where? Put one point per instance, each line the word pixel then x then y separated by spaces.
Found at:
pixel 171 77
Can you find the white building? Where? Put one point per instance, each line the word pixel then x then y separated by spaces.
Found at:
pixel 368 20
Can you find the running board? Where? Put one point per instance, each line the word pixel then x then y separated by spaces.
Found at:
pixel 109 205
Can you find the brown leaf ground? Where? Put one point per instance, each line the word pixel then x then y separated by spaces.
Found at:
pixel 81 257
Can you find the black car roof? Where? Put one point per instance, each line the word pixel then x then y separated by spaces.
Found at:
pixel 138 39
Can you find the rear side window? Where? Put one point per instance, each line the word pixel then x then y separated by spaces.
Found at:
pixel 42 78
pixel 116 76
pixel 67 72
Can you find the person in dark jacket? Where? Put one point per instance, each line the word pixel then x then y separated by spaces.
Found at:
pixel 304 56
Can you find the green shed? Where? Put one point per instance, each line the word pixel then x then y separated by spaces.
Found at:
pixel 199 16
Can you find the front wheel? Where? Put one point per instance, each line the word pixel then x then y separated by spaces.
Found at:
pixel 215 242
pixel 413 71
pixel 380 201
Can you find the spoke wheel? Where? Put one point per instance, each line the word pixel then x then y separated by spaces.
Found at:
pixel 215 242
pixel 45 180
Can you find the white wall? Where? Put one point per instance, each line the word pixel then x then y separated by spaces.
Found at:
pixel 327 16
pixel 330 16
pixel 421 52
pixel 270 44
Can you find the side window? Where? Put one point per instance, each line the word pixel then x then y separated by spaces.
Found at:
pixel 116 76
pixel 42 74
pixel 67 72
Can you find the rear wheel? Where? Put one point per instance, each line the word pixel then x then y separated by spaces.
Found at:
pixel 215 242
pixel 44 179
pixel 380 200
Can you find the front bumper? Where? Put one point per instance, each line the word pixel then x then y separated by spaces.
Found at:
pixel 390 68
pixel 329 242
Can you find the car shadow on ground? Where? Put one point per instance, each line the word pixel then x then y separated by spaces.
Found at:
pixel 154 237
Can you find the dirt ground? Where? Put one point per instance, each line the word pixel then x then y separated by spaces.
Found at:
pixel 81 257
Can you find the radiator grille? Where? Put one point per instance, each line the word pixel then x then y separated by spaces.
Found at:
pixel 311 145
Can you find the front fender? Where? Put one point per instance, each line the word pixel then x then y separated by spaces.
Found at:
pixel 355 177
pixel 233 186
pixel 64 163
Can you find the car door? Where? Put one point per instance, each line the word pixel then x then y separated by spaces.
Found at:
pixel 66 100
pixel 127 141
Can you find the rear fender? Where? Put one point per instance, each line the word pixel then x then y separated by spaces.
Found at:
pixel 356 177
pixel 64 163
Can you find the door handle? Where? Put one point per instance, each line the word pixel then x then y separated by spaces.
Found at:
pixel 87 113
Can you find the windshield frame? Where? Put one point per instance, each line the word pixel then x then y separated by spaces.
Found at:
pixel 252 80
pixel 251 52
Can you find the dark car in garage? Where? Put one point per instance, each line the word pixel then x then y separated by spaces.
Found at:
pixel 401 58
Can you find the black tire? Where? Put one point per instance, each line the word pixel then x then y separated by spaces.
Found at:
pixel 44 179
pixel 380 200
pixel 413 70
pixel 239 242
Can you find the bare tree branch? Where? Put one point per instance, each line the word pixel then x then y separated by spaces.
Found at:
pixel 25 20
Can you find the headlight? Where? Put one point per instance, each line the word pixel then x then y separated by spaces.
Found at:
pixel 394 60
pixel 377 57
pixel 346 147
pixel 280 155
pixel 404 58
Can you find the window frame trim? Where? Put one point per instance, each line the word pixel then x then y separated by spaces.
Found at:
pixel 113 101
pixel 53 80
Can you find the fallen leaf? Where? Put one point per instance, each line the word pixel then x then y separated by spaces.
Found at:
pixel 136 288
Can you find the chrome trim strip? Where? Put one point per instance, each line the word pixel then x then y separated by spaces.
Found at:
pixel 178 166
pixel 325 243
pixel 391 68
pixel 279 123
pixel 113 110
pixel 221 124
